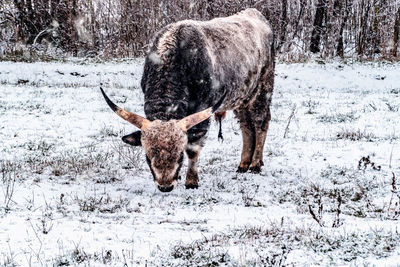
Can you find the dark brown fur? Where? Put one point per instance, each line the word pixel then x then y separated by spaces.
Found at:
pixel 190 67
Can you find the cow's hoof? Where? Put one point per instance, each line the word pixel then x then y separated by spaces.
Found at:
pixel 255 169
pixel 192 186
pixel 242 169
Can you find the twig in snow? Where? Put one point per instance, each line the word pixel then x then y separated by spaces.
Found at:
pixel 37 254
pixel 336 222
pixel 8 179
pixel 390 158
pixel 289 120
pixel 394 192
pixel 314 216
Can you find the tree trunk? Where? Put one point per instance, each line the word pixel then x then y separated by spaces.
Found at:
pixel 296 27
pixel 284 22
pixel 340 45
pixel 396 33
pixel 375 28
pixel 53 8
pixel 74 38
pixel 20 18
pixel 363 27
pixel 92 25
pixel 319 19
pixel 30 21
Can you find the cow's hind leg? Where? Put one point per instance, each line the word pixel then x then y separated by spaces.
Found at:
pixel 248 136
pixel 260 129
pixel 261 115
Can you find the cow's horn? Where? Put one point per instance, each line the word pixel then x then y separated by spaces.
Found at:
pixel 191 120
pixel 138 121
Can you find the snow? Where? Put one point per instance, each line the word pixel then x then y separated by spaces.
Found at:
pixel 79 199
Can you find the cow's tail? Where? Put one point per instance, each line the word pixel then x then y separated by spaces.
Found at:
pixel 219 116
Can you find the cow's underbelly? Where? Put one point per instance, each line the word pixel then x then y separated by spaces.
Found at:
pixel 240 98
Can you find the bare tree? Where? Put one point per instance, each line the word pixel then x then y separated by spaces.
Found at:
pixel 318 27
pixel 124 28
pixel 283 24
pixel 396 33
pixel 365 7
pixel 344 11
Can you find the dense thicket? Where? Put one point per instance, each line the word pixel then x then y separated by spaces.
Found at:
pixel 363 29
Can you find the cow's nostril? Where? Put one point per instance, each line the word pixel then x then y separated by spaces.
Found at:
pixel 165 188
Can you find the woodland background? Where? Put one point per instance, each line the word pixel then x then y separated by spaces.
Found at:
pixel 45 29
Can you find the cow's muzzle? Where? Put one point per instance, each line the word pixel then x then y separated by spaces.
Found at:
pixel 166 189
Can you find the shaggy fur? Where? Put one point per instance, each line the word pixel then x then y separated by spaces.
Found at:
pixel 164 143
pixel 191 66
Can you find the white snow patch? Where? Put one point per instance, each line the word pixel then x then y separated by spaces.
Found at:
pixel 215 84
pixel 155 58
pixel 79 188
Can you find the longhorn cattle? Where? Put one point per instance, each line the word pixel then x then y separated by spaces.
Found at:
pixel 193 69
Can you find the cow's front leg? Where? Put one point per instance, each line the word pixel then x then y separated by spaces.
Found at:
pixel 248 139
pixel 192 175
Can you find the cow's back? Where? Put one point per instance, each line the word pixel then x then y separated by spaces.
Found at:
pixel 240 46
pixel 194 63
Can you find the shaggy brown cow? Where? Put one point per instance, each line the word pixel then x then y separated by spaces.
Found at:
pixel 225 63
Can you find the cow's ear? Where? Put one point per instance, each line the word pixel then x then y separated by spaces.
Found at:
pixel 133 139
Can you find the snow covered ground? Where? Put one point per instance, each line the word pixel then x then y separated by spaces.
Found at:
pixel 71 193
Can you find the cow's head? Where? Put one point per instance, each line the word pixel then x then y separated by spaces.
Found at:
pixel 164 142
